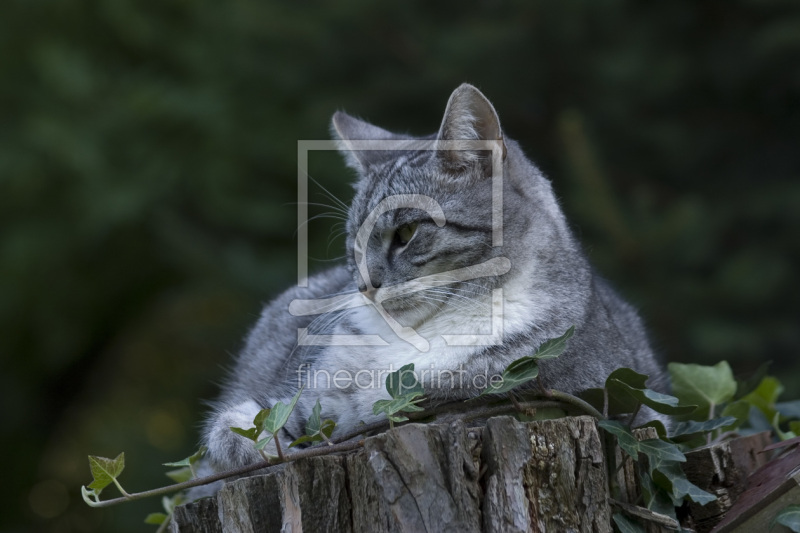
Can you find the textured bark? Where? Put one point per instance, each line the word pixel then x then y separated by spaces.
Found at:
pixel 200 516
pixel 723 470
pixel 508 476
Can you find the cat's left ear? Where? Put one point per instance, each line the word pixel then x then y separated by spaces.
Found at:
pixel 347 129
pixel 469 116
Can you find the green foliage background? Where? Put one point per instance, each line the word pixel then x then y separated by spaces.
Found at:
pixel 148 174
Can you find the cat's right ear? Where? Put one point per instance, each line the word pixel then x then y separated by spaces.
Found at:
pixel 346 129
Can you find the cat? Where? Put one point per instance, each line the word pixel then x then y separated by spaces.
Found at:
pixel 460 261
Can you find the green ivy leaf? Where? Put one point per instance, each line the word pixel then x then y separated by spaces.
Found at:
pixel 192 459
pixel 525 369
pixel 250 433
pixel 155 518
pixel 403 381
pixel 625 525
pixel 260 420
pixel 625 437
pixel 105 471
pixel 261 444
pixel 279 414
pixel 765 397
pixel 314 421
pixel 595 397
pixel 180 475
pixel 658 450
pixel 655 498
pixel 519 372
pixel 739 410
pixel 554 347
pixel 403 403
pixel 669 475
pixel 629 389
pixel 170 504
pixel 691 427
pixel 703 386
pixel 315 429
pixel 789 517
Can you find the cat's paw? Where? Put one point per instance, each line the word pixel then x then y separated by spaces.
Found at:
pixel 226 449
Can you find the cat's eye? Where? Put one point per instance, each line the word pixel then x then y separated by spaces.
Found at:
pixel 404 233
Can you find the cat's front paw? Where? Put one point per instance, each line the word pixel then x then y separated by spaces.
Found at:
pixel 226 449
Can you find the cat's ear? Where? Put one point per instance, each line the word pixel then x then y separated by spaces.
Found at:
pixel 469 117
pixel 347 129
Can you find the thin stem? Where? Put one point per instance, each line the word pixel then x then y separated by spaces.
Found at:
pixel 121 490
pixel 576 402
pixel 309 452
pixel 278 447
pixel 163 527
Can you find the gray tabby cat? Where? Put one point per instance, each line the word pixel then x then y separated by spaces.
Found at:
pixel 469 265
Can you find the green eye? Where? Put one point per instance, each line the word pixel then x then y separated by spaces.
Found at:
pixel 405 232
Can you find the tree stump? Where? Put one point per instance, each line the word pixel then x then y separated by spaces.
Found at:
pixel 508 476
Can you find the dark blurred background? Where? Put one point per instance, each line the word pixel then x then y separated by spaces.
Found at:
pixel 148 170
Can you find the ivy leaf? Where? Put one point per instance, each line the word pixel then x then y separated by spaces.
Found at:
pixel 192 459
pixel 629 388
pixel 554 347
pixel 315 429
pixel 658 450
pixel 279 414
pixel 625 525
pixel 403 381
pixel 765 396
pixel 526 368
pixel 155 518
pixel 739 410
pixel 260 420
pixel 250 433
pixel 105 471
pixel 670 476
pixel 625 437
pixel 405 403
pixel 595 397
pixel 789 517
pixel 181 474
pixel 517 373
pixel 691 427
pixel 326 429
pixel 170 504
pixel 314 423
pixel 261 444
pixel 703 386
pixel 655 498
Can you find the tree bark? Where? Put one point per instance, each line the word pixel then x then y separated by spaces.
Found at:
pixel 508 476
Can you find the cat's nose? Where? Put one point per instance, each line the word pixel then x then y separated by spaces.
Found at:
pixel 369 292
pixel 362 286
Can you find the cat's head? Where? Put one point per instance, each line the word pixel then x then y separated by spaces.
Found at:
pixel 424 206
